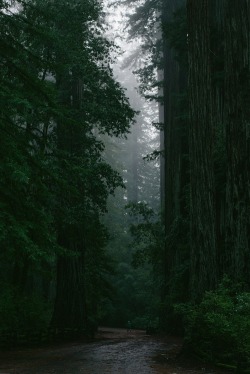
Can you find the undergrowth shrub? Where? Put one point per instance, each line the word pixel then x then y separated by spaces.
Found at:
pixel 218 329
pixel 19 313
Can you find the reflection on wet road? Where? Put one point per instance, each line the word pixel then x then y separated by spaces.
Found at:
pixel 124 354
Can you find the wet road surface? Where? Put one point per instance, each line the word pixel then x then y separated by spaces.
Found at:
pixel 113 351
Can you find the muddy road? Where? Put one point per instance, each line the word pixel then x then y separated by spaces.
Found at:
pixel 113 351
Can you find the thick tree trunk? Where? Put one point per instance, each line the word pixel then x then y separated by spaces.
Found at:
pixel 237 83
pixel 202 207
pixel 173 158
pixel 174 144
pixel 70 304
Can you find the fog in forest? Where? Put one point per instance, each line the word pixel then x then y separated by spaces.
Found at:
pixel 134 289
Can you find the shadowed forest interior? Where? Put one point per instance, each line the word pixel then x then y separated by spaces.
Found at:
pixel 125 172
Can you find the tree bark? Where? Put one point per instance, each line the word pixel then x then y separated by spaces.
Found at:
pixel 174 144
pixel 70 309
pixel 70 303
pixel 237 83
pixel 202 205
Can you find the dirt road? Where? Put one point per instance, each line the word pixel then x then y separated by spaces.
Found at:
pixel 113 351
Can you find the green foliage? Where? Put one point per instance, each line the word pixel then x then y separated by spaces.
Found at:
pixel 148 235
pixel 133 297
pixel 217 329
pixel 21 313
pixel 135 291
pixel 58 94
pixel 148 243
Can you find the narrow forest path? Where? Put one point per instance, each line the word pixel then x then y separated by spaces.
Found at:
pixel 113 351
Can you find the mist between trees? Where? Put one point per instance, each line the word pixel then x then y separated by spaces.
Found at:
pixel 125 179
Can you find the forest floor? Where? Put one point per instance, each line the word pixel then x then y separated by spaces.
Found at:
pixel 113 351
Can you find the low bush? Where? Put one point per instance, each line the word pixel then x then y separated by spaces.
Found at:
pixel 218 329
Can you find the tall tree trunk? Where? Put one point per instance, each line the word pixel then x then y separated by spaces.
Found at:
pixel 133 172
pixel 172 170
pixel 70 303
pixel 202 210
pixel 162 144
pixel 237 83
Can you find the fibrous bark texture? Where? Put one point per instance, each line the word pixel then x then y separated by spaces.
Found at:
pixel 202 205
pixel 237 88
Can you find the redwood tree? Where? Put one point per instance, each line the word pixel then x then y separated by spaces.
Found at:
pixel 237 100
pixel 202 205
